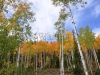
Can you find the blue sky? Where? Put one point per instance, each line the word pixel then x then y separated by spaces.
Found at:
pixel 47 15
pixel 91 16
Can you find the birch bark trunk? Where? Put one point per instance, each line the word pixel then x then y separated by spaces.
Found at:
pixel 62 59
pixel 77 40
pixel 18 57
pixel 96 59
pixel 88 61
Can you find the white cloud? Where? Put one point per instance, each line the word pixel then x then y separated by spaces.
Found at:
pixel 46 15
pixel 96 31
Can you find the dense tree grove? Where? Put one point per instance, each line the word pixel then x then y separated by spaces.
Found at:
pixel 73 53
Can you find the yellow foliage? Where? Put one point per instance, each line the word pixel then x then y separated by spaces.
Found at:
pixel 69 41
pixel 97 42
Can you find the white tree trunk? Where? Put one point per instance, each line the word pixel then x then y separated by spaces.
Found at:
pixel 79 47
pixel 62 59
pixel 88 61
pixel 18 57
pixel 96 59
pixel 91 63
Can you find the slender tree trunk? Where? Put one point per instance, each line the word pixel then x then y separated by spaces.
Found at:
pixel 72 55
pixel 30 60
pixel 21 63
pixel 70 61
pixel 67 62
pixel 79 47
pixel 91 62
pixel 95 57
pixel 18 57
pixel 41 61
pixel 36 61
pixel 44 59
pixel 27 64
pixel 62 59
pixel 88 59
pixel 22 58
pixel 8 60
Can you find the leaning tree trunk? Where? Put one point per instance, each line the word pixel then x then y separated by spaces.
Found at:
pixel 91 67
pixel 95 57
pixel 77 40
pixel 88 61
